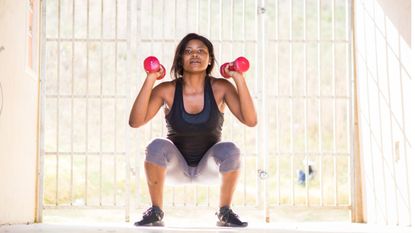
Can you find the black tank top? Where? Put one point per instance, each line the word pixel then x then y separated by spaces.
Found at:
pixel 194 134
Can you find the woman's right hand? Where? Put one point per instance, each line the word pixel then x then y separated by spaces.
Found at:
pixel 156 75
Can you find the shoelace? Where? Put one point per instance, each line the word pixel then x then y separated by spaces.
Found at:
pixel 148 212
pixel 227 214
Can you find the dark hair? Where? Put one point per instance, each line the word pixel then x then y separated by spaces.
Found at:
pixel 177 67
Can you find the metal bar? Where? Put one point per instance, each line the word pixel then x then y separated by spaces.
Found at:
pixel 173 193
pixel 115 102
pixel 175 23
pixel 248 40
pixel 306 166
pixel 127 188
pixel 57 104
pixel 291 104
pixel 310 153
pixel 333 73
pixel 82 96
pixel 258 161
pixel 187 13
pixel 196 203
pixel 330 97
pixel 74 39
pixel 231 52
pixel 281 153
pixel 41 114
pixel 96 153
pixel 72 104
pixel 320 139
pixel 289 207
pixel 264 109
pixel 213 40
pixel 151 49
pixel 136 158
pixel 184 195
pixel 152 42
pixel 220 41
pixel 198 15
pixel 277 36
pixel 85 207
pixel 282 207
pixel 87 104
pixel 209 19
pixel 244 167
pixel 245 142
pixel 100 101
pixel 64 96
pixel 195 192
pixel 301 41
pixel 162 55
pixel 349 121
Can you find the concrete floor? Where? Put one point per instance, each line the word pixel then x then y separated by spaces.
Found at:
pixel 200 220
pixel 253 228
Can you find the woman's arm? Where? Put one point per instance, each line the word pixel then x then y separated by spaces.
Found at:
pixel 148 101
pixel 239 100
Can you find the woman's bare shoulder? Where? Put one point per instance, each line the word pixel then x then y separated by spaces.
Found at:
pixel 167 85
pixel 220 83
pixel 165 90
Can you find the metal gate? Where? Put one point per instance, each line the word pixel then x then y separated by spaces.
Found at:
pixel 298 155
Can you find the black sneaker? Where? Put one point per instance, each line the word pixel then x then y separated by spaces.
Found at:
pixel 227 218
pixel 152 217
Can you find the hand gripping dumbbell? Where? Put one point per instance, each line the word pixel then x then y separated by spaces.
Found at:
pixel 241 64
pixel 152 64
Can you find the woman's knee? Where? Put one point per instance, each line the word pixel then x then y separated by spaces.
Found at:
pixel 226 150
pixel 229 156
pixel 157 150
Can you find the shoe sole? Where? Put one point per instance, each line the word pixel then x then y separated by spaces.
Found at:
pixel 221 224
pixel 152 224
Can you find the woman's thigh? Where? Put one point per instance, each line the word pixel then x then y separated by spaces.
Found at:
pixel 220 158
pixel 164 153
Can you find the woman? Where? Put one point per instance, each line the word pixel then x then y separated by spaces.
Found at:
pixel 194 103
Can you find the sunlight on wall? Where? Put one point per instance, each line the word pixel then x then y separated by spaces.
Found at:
pixel 386 90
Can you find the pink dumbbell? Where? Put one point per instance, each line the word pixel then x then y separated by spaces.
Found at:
pixel 241 64
pixel 152 64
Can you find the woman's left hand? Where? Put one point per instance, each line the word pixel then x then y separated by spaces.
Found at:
pixel 233 74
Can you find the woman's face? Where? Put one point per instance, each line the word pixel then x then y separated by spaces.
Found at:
pixel 195 56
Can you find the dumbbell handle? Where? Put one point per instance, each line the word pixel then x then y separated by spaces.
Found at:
pixel 241 64
pixel 152 64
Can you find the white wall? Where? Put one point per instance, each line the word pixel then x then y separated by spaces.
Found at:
pixel 18 119
pixel 386 92
pixel 412 151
